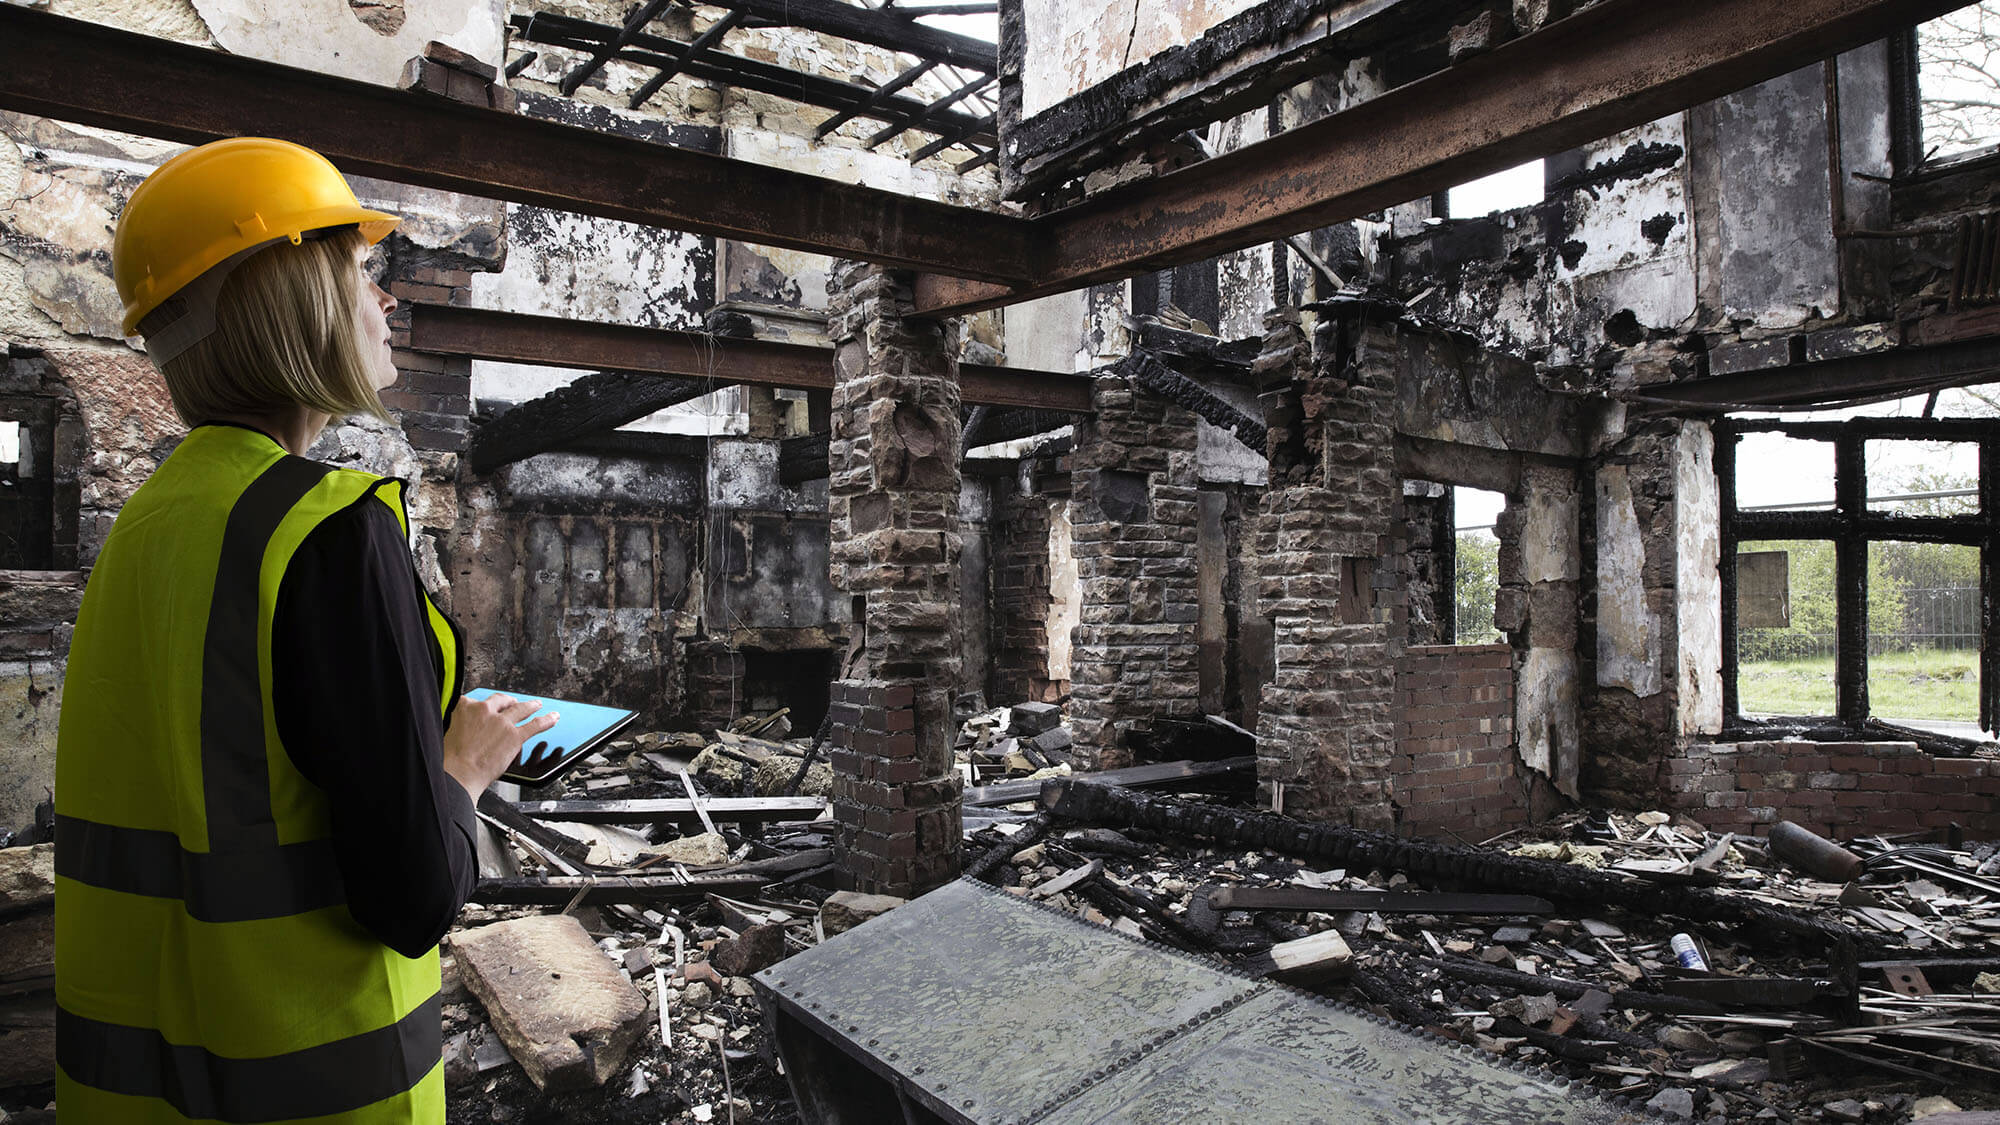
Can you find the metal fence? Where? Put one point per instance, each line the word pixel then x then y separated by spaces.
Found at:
pixel 1934 619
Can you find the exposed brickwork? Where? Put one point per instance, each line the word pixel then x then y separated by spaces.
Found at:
pixel 1455 769
pixel 1330 551
pixel 1135 520
pixel 894 504
pixel 1020 599
pixel 1839 789
pixel 714 684
pixel 432 397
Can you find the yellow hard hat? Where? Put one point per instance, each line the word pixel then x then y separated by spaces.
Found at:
pixel 212 203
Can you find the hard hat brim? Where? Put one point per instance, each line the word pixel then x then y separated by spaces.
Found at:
pixel 374 226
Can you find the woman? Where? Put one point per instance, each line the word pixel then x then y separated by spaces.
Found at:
pixel 263 788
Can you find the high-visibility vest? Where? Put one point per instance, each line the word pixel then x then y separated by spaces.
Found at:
pixel 207 967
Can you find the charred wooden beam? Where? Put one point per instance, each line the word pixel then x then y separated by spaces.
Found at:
pixel 672 56
pixel 996 426
pixel 637 890
pixel 1196 353
pixel 1147 371
pixel 1893 371
pixel 1613 66
pixel 1404 902
pixel 76 71
pixel 1479 973
pixel 639 18
pixel 555 342
pixel 593 404
pixel 863 25
pixel 804 458
pixel 677 811
pixel 701 43
pixel 1159 775
pixel 1080 799
pixel 881 94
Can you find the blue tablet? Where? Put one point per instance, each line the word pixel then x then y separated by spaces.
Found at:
pixel 580 729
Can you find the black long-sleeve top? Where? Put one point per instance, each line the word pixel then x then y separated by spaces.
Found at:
pixel 355 689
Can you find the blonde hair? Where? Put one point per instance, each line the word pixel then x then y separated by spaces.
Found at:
pixel 284 334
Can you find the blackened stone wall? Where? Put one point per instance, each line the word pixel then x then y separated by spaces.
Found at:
pixel 1135 514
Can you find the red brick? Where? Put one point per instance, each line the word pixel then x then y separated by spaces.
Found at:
pixel 1853 763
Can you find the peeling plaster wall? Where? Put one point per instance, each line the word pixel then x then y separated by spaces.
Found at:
pixel 1779 263
pixel 575 576
pixel 1078 45
pixel 1698 580
pixel 332 36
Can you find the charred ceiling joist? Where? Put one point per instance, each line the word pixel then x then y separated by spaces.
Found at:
pixel 593 404
pixel 71 70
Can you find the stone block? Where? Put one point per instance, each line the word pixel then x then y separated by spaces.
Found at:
pixel 756 949
pixel 1029 719
pixel 565 1011
pixel 27 1041
pixel 844 910
pixel 27 949
pixel 27 877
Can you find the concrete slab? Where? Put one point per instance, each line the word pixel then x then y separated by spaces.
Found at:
pixel 563 1008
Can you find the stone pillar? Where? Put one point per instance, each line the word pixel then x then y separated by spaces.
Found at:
pixel 1329 546
pixel 895 532
pixel 1136 517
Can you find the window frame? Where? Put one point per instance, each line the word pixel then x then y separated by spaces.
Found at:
pixel 1853 527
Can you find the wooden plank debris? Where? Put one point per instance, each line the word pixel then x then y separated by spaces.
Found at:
pixel 1161 775
pixel 679 811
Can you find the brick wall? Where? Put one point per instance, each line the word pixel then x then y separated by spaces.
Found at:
pixel 1838 789
pixel 1455 770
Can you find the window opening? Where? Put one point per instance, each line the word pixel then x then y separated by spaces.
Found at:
pixel 1785 621
pixel 1923 634
pixel 10 443
pixel 1958 80
pixel 1521 186
pixel 1875 605
pixel 1923 478
pixel 1476 566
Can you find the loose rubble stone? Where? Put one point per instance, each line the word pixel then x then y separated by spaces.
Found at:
pixel 1688 1039
pixel 27 876
pixel 757 949
pixel 698 995
pixel 563 1008
pixel 703 972
pixel 844 910
pixel 1029 719
pixel 1932 1106
pixel 1846 1109
pixel 1053 741
pixel 1673 1102
pixel 707 849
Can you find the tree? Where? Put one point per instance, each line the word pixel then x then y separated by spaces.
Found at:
pixel 1475 581
pixel 1958 67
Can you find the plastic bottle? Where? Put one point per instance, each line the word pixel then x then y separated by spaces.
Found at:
pixel 1687 952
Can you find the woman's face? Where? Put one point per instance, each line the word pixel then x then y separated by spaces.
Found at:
pixel 371 322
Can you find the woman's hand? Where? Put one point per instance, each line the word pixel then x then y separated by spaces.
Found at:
pixel 484 739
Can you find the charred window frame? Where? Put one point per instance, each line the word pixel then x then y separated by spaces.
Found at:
pixel 1906 117
pixel 1852 527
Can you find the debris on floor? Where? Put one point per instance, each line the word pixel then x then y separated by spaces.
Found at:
pixel 1571 945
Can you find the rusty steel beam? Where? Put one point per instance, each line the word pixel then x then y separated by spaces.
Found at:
pixel 554 342
pixel 1612 67
pixel 71 70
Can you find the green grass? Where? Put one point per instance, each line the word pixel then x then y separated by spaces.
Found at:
pixel 1903 685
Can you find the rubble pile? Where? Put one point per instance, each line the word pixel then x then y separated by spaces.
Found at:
pixel 27 980
pixel 1876 1002
pixel 601 972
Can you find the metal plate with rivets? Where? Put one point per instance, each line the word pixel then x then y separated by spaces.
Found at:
pixel 971 1005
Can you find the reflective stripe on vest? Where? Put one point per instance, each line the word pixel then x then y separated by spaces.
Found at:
pixel 207 966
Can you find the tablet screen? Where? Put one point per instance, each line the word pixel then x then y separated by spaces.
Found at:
pixel 580 728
